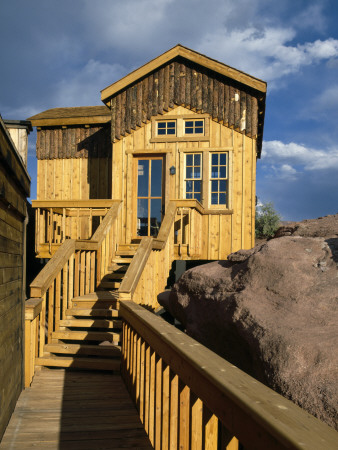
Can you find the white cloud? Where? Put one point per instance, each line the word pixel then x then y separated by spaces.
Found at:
pixel 286 156
pixel 265 53
pixel 328 99
pixel 83 87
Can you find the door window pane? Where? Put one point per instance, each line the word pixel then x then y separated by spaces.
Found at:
pixel 142 178
pixel 155 216
pixel 156 177
pixel 142 217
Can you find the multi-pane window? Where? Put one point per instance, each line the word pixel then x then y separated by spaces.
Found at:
pixel 194 127
pixel 193 176
pixel 166 128
pixel 219 179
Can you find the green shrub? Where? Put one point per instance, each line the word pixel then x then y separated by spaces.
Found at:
pixel 267 220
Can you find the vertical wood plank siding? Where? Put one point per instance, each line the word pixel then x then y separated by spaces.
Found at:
pixel 183 84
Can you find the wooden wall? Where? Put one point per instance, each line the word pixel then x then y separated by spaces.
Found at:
pixel 225 232
pixel 74 163
pixel 14 188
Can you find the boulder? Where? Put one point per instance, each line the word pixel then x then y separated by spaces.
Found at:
pixel 272 311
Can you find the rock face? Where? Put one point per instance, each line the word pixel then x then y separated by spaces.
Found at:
pixel 272 311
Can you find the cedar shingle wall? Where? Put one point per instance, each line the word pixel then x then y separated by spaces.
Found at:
pixel 192 86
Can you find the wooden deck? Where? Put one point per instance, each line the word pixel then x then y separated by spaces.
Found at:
pixel 75 410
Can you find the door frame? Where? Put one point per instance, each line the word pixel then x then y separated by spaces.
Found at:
pixel 136 158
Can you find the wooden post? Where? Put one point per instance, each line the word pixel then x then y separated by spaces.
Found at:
pixel 42 326
pixel 50 312
pixel 57 300
pixel 63 237
pixel 64 290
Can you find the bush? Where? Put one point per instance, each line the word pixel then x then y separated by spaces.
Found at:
pixel 267 220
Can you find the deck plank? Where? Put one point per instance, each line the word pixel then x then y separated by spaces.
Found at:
pixel 75 410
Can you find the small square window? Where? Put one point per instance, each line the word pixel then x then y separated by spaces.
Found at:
pixel 194 127
pixel 166 128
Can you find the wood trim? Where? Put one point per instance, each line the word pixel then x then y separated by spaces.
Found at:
pixel 136 267
pixel 255 414
pixel 42 282
pixel 63 121
pixel 33 308
pixel 95 203
pixel 149 151
pixel 191 55
pixel 193 138
pixel 205 149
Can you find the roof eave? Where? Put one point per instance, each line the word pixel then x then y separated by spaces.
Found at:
pixel 191 55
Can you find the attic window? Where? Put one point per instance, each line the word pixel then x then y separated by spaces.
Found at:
pixel 166 128
pixel 194 127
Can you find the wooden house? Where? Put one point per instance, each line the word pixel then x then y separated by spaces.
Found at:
pixel 14 190
pixel 163 172
pixel 183 128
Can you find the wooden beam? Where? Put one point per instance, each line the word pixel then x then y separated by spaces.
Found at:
pixel 33 307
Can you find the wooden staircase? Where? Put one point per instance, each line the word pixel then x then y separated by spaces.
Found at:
pixel 89 336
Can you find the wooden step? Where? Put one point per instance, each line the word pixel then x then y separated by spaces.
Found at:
pixel 79 349
pixel 109 285
pixel 99 299
pixel 100 336
pixel 113 276
pixel 114 267
pixel 132 247
pixel 122 260
pixel 89 312
pixel 91 323
pixel 125 252
pixel 79 363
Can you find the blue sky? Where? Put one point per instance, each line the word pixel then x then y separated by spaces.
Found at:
pixel 62 53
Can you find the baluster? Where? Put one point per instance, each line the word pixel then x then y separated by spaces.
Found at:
pixel 63 237
pixel 43 325
pixel 57 300
pixel 64 290
pixel 50 312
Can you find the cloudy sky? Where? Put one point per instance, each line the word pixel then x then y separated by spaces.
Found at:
pixel 62 53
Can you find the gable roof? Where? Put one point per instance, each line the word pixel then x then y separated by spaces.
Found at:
pixel 191 55
pixel 80 115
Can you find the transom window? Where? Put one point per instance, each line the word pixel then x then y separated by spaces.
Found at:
pixel 219 179
pixel 166 128
pixel 194 127
pixel 193 176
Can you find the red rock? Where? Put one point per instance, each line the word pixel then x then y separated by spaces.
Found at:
pixel 272 311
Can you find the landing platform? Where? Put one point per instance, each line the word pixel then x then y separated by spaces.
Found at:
pixel 70 410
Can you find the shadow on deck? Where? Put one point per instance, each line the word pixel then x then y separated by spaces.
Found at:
pixel 84 410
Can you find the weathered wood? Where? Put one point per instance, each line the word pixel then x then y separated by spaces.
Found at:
pixel 190 55
pixel 253 413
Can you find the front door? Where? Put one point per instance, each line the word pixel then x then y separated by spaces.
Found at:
pixel 149 194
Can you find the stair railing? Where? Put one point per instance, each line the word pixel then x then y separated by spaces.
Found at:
pixel 58 220
pixel 148 272
pixel 75 269
pixel 188 397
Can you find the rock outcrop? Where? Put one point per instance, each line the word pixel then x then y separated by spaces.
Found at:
pixel 272 311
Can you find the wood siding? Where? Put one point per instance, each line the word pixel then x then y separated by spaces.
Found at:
pixel 14 183
pixel 224 232
pixel 73 142
pixel 199 89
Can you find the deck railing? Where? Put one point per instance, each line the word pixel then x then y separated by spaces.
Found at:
pixel 190 398
pixel 75 269
pixel 58 220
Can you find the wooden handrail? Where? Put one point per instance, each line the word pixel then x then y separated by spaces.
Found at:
pixel 33 308
pixel 166 225
pixel 136 267
pixel 102 230
pixel 259 417
pixel 42 282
